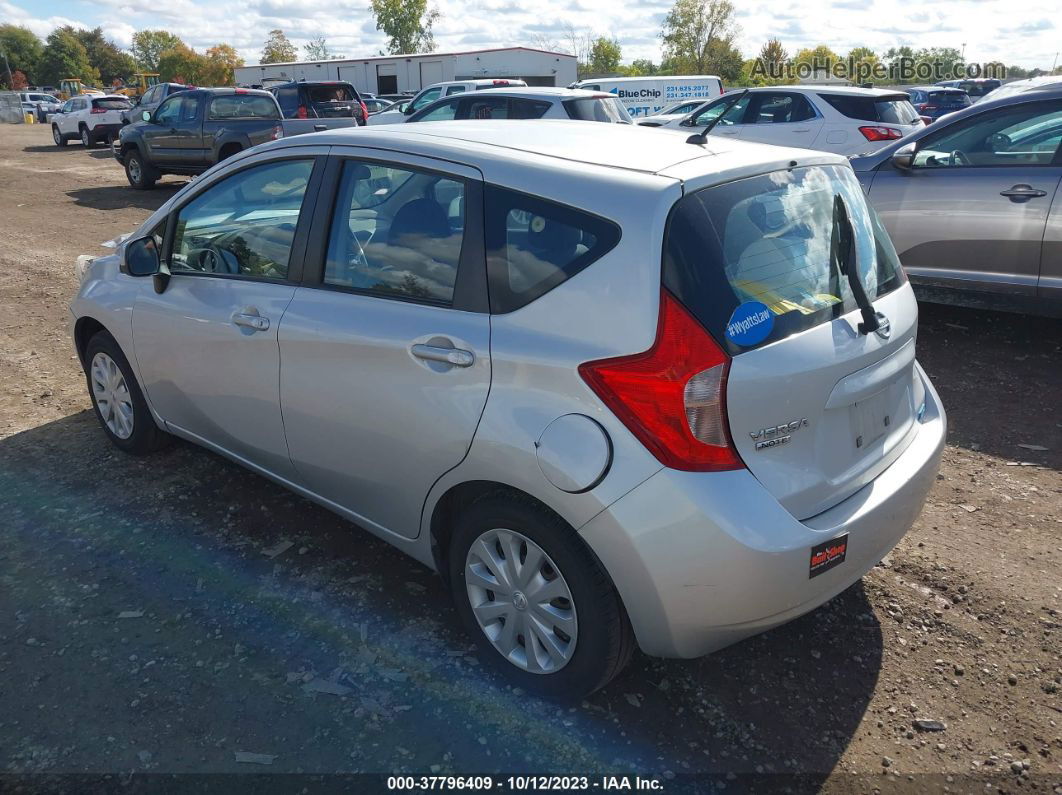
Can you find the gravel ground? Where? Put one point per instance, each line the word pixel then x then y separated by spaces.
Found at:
pixel 147 625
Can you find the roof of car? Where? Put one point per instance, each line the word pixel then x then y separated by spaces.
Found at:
pixel 851 91
pixel 532 92
pixel 223 91
pixel 620 146
pixel 933 88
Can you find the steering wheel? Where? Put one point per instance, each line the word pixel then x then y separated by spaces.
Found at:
pixel 208 259
pixel 958 158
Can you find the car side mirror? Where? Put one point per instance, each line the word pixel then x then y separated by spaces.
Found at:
pixel 145 115
pixel 686 123
pixel 141 257
pixel 408 109
pixel 903 158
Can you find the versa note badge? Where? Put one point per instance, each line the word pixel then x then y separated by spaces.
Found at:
pixel 766 438
pixel 827 555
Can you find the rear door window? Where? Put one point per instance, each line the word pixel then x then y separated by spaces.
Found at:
pixel 481 107
pixel 396 232
pixel 112 104
pixel 528 109
pixel 770 242
pixel 779 109
pixel 533 245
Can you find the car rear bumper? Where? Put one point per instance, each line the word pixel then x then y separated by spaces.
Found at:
pixel 703 560
pixel 101 131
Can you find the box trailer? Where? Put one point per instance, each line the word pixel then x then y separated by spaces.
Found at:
pixel 394 74
pixel 644 96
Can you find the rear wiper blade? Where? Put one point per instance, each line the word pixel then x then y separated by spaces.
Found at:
pixel 702 136
pixel 845 254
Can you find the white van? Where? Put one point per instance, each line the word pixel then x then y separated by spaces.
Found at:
pixel 644 96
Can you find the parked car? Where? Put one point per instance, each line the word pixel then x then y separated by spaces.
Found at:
pixel 42 105
pixel 192 130
pixel 375 104
pixel 932 102
pixel 648 94
pixel 968 203
pixel 976 88
pixel 837 119
pixel 333 103
pixel 721 348
pixel 1029 84
pixel 93 119
pixel 436 91
pixel 675 112
pixel 151 99
pixel 526 103
pixel 395 97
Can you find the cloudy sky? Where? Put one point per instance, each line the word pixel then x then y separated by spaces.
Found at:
pixel 1026 35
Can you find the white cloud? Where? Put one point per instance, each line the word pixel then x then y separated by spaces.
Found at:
pixel 1028 39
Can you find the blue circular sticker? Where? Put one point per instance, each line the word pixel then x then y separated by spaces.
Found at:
pixel 750 324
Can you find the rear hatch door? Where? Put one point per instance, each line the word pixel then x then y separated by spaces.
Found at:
pixel 816 408
pixel 108 110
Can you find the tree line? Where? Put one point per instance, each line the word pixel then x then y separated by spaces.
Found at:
pixel 698 37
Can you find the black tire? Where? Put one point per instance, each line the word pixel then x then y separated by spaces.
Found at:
pixel 146 436
pixel 86 138
pixel 139 174
pixel 58 137
pixel 605 639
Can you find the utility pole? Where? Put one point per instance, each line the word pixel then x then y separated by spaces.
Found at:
pixel 11 80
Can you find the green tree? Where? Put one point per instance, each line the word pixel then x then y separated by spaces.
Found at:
pixel 278 48
pixel 148 46
pixel 643 66
pixel 317 49
pixel 605 56
pixel 23 51
pixel 112 64
pixel 407 23
pixel 64 56
pixel 699 37
pixel 222 60
pixel 182 64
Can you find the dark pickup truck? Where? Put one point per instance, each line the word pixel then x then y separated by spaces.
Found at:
pixel 192 130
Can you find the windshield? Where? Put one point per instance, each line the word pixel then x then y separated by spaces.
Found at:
pixel 765 242
pixel 608 109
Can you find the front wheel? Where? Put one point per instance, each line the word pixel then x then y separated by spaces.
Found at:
pixel 537 602
pixel 58 137
pixel 136 171
pixel 117 400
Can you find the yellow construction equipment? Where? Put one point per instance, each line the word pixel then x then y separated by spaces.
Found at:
pixel 72 87
pixel 141 82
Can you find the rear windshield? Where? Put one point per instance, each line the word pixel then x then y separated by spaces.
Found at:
pixel 112 104
pixel 891 110
pixel 330 93
pixel 958 98
pixel 607 109
pixel 243 106
pixel 765 247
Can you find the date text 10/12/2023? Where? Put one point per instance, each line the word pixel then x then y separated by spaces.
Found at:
pixel 524 783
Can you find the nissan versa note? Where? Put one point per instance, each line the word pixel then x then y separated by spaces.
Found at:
pixel 618 388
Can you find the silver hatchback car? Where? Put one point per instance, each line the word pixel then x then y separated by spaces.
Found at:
pixel 616 387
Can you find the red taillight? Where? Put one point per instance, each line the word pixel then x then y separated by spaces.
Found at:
pixel 278 133
pixel 672 396
pixel 880 133
pixel 301 112
pixel 364 111
pixel 98 110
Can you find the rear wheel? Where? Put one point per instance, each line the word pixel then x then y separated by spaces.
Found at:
pixel 86 137
pixel 537 602
pixel 117 400
pixel 58 137
pixel 136 171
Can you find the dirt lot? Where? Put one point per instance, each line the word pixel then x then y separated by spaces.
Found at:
pixel 142 629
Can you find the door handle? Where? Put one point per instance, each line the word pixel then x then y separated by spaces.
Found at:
pixel 434 353
pixel 803 129
pixel 1022 193
pixel 253 322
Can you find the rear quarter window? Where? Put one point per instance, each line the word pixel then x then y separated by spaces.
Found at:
pixel 607 109
pixel 890 110
pixel 534 245
pixel 243 106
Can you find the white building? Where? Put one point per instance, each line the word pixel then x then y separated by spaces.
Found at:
pixel 393 74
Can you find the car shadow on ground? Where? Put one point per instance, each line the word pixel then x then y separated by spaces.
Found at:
pixel 186 533
pixel 113 197
pixel 999 375
pixel 100 152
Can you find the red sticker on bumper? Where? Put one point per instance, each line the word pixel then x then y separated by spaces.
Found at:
pixel 828 554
